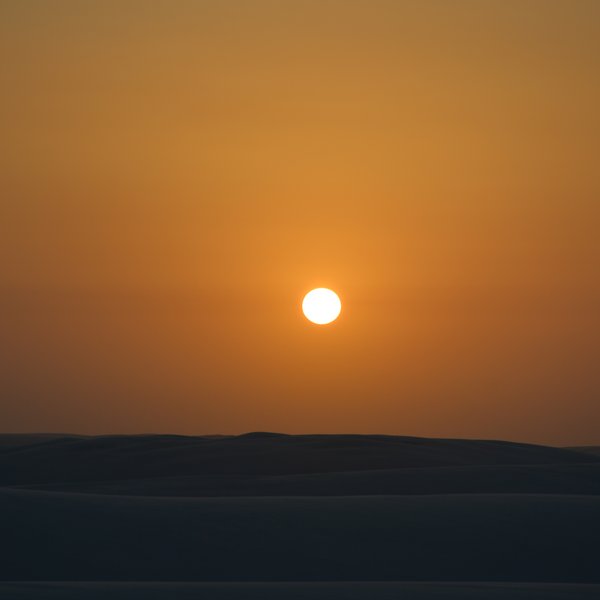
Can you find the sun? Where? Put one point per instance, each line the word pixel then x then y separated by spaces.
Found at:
pixel 321 306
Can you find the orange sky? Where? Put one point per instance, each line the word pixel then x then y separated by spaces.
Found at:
pixel 174 176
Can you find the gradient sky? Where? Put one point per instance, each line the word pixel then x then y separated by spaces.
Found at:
pixel 175 175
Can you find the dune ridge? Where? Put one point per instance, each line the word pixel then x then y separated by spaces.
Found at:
pixel 108 458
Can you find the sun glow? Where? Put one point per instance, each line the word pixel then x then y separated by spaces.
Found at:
pixel 321 306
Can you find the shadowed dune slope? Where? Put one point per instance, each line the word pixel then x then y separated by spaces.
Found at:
pixel 62 537
pixel 297 591
pixel 593 450
pixel 75 459
pixel 500 479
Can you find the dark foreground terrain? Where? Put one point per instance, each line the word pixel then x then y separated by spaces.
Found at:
pixel 276 516
pixel 297 591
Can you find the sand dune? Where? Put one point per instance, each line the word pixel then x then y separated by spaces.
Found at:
pixel 10 441
pixel 593 450
pixel 76 459
pixel 295 511
pixel 55 536
pixel 503 479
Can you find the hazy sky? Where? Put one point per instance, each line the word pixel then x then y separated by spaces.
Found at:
pixel 175 175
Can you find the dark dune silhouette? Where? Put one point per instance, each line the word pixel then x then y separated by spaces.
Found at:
pixel 594 450
pixel 501 479
pixel 9 441
pixel 86 459
pixel 291 511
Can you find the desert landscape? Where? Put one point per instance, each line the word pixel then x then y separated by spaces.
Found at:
pixel 299 299
pixel 267 515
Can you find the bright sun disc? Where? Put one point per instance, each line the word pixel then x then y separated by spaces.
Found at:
pixel 321 306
